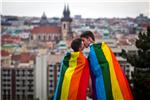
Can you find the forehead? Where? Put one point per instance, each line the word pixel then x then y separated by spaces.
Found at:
pixel 83 38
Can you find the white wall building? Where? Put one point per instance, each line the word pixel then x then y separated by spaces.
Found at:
pixel 41 77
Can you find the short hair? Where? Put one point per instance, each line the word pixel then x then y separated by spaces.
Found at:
pixel 76 44
pixel 88 34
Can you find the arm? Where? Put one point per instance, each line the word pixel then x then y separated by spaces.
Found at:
pixel 89 89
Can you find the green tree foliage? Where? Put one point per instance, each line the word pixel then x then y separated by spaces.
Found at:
pixel 141 63
pixel 143 55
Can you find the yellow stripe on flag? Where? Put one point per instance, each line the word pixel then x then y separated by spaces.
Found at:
pixel 117 95
pixel 68 75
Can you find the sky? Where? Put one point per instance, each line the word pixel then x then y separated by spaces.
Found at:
pixel 85 8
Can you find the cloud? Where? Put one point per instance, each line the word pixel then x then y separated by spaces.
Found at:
pixel 86 9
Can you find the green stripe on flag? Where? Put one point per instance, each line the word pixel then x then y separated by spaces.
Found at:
pixel 105 70
pixel 64 66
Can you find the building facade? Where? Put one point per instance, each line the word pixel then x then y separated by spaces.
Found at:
pixel 41 77
pixel 17 82
pixel 17 76
pixel 45 31
pixel 53 72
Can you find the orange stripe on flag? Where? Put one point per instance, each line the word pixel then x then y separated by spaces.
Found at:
pixel 75 80
pixel 124 86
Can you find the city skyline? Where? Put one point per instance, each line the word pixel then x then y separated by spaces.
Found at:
pixel 87 9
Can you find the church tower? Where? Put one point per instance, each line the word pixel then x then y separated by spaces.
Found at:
pixel 44 20
pixel 66 23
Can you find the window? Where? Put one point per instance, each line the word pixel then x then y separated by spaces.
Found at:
pixel 51 81
pixel 51 70
pixel 39 37
pixel 30 97
pixel 51 85
pixel 51 75
pixel 30 90
pixel 18 97
pixel 64 26
pixel 49 37
pixel 31 37
pixel 44 37
pixel 4 97
pixel 8 85
pixel 51 91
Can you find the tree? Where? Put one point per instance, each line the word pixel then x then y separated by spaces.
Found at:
pixel 141 63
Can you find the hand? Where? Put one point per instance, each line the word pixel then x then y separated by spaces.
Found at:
pixel 89 93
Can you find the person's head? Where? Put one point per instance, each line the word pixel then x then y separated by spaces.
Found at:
pixel 77 45
pixel 87 38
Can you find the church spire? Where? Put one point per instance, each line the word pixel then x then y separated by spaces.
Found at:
pixel 68 11
pixel 66 14
pixel 65 10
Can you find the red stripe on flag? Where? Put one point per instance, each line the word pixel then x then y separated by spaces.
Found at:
pixel 123 83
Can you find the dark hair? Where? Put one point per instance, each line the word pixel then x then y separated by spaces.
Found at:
pixel 88 34
pixel 75 44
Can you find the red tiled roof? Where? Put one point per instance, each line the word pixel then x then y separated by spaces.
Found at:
pixel 146 24
pixel 15 57
pixel 4 53
pixel 46 29
pixel 6 36
pixel 23 57
pixel 10 39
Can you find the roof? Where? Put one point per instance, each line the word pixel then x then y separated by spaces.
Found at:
pixel 23 57
pixel 6 36
pixel 15 57
pixel 10 39
pixel 147 24
pixel 10 46
pixel 62 45
pixel 46 29
pixel 4 53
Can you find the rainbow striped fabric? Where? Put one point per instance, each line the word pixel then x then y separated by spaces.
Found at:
pixel 108 79
pixel 74 77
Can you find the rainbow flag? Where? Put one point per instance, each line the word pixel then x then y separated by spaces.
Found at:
pixel 74 77
pixel 108 79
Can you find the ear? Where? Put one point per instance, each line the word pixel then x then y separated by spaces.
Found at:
pixel 90 39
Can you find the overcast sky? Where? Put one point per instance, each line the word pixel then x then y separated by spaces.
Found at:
pixel 86 8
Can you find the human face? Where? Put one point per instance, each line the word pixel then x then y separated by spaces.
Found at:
pixel 81 47
pixel 86 42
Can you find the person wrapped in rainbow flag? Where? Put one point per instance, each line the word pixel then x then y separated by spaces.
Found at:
pixel 108 79
pixel 74 74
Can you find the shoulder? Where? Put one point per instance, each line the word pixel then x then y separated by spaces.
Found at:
pixel 67 55
pixel 99 44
